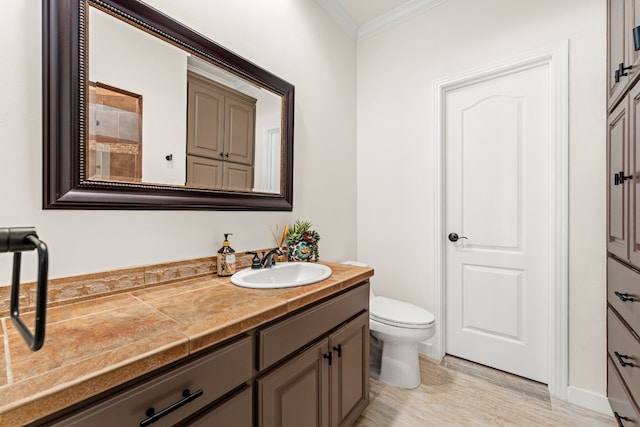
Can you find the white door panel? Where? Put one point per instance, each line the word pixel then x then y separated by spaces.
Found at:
pixel 497 183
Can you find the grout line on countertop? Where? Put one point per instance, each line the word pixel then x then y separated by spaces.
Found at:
pixel 7 353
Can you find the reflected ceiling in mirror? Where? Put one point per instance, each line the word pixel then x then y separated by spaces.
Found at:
pixel 163 118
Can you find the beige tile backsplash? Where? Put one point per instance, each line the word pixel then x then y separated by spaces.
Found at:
pixel 82 287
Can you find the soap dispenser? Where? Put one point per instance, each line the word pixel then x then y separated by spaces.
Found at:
pixel 226 258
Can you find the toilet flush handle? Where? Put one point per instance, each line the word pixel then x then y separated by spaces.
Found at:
pixel 454 237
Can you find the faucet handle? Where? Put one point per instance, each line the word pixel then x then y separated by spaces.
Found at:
pixel 278 252
pixel 255 262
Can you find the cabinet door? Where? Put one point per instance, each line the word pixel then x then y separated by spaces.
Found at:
pixel 205 120
pixel 240 130
pixel 204 173
pixel 237 177
pixel 633 20
pixel 297 393
pixel 350 371
pixel 617 48
pixel 618 140
pixel 633 170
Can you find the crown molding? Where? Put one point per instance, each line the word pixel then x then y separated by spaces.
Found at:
pixel 377 25
pixel 340 16
pixel 395 16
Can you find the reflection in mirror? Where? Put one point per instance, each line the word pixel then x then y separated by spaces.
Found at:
pixel 84 165
pixel 201 126
pixel 114 150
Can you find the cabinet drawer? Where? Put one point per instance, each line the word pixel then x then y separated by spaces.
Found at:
pixel 236 411
pixel 283 338
pixel 215 374
pixel 624 350
pixel 624 284
pixel 623 407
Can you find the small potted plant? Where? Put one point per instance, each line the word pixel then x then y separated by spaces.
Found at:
pixel 302 242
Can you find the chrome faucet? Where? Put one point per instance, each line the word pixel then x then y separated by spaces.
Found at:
pixel 267 260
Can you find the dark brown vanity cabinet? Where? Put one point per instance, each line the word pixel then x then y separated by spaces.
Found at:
pixel 325 385
pixel 217 384
pixel 309 368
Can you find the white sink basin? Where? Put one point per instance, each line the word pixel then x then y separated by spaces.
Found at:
pixel 284 275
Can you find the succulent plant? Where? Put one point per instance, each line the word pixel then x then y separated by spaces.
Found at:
pixel 301 231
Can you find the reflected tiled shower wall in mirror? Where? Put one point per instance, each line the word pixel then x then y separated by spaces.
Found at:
pixel 115 134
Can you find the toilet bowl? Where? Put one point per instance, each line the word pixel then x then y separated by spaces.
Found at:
pixel 399 326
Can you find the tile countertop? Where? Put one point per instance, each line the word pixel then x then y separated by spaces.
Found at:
pixel 95 345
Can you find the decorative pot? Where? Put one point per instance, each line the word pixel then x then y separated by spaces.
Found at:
pixel 301 251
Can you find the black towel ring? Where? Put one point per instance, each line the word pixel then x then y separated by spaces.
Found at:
pixel 18 240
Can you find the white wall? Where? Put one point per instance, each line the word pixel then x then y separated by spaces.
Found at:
pixel 293 39
pixel 159 76
pixel 396 70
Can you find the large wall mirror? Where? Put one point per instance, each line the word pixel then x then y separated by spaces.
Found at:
pixel 140 112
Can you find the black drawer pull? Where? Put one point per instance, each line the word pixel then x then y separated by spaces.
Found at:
pixel 620 418
pixel 155 416
pixel 623 362
pixel 625 296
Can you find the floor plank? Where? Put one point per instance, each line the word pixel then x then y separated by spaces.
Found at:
pixel 460 393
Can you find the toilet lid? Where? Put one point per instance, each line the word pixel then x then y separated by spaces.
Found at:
pixel 398 313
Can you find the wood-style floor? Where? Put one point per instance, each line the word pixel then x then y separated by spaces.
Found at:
pixel 459 393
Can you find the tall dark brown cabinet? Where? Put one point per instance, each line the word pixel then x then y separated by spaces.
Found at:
pixel 623 211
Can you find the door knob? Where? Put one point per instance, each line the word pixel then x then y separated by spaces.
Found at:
pixel 454 237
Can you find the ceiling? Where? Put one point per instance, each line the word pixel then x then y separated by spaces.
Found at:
pixel 363 18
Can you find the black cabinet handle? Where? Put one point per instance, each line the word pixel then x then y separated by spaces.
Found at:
pixel 624 296
pixel 621 71
pixel 622 361
pixel 619 178
pixel 329 356
pixel 154 416
pixel 338 349
pixel 620 418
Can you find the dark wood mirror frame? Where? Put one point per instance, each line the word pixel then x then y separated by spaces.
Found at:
pixel 64 115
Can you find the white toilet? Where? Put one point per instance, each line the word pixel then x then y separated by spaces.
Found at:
pixel 400 326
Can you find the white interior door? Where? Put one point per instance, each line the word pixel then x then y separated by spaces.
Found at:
pixel 497 145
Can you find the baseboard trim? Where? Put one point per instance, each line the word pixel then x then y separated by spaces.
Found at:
pixel 590 400
pixel 429 350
